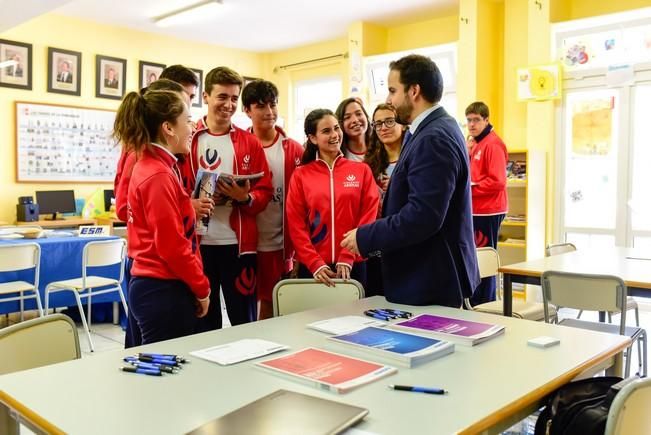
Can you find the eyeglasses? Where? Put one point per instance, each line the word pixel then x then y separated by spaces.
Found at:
pixel 389 123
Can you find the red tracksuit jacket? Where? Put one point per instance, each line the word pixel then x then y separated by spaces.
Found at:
pixel 249 158
pixel 488 160
pixel 121 183
pixel 323 204
pixel 161 235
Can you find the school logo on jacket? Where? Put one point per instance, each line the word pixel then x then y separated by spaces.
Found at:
pixel 318 231
pixel 351 181
pixel 478 155
pixel 210 160
pixel 246 162
pixel 245 283
pixel 480 239
pixel 297 161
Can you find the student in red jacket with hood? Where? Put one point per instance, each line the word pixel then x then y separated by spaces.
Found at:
pixel 275 251
pixel 328 196
pixel 229 247
pixel 168 290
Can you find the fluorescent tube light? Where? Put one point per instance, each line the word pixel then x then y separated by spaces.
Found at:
pixel 188 14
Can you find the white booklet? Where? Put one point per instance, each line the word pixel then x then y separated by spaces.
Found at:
pixel 238 351
pixel 344 324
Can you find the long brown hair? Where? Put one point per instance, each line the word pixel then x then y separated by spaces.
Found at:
pixel 376 155
pixel 339 114
pixel 311 122
pixel 140 116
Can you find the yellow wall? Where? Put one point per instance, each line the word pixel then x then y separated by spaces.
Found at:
pixel 591 8
pixel 423 34
pixel 88 37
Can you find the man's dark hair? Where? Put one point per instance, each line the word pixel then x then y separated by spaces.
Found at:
pixel 479 108
pixel 180 74
pixel 259 91
pixel 222 75
pixel 420 70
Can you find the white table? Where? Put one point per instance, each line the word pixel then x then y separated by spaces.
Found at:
pixel 631 265
pixel 491 385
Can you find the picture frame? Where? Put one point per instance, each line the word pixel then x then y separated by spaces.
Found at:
pixel 246 81
pixel 18 71
pixel 110 77
pixel 148 72
pixel 198 99
pixel 63 71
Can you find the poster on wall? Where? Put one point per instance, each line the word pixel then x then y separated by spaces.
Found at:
pixel 539 83
pixel 64 144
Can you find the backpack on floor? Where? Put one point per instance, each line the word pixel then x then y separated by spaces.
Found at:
pixel 580 407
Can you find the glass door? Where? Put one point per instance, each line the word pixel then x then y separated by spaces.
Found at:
pixel 640 202
pixel 591 166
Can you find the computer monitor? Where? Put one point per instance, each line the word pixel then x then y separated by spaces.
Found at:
pixel 55 202
pixel 108 196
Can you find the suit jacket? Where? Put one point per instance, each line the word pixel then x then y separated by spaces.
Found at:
pixel 111 83
pixel 68 78
pixel 426 233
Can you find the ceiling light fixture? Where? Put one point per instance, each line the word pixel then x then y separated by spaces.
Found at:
pixel 188 14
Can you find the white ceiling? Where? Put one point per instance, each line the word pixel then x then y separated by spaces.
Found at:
pixel 260 25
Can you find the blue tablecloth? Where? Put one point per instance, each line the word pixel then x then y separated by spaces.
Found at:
pixel 61 259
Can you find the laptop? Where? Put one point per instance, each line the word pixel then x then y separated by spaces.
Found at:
pixel 286 412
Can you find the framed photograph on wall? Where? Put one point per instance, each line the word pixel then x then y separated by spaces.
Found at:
pixel 198 99
pixel 148 72
pixel 110 77
pixel 63 71
pixel 16 64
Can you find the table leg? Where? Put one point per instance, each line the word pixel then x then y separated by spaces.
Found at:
pixel 508 295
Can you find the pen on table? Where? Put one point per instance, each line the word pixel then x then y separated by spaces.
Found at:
pixel 416 389
pixel 150 359
pixel 164 356
pixel 168 364
pixel 377 315
pixel 140 371
pixel 162 367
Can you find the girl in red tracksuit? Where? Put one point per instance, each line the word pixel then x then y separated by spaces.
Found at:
pixel 328 196
pixel 168 291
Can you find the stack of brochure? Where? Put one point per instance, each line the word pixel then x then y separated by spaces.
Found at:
pixel 327 370
pixel 344 324
pixel 395 346
pixel 460 331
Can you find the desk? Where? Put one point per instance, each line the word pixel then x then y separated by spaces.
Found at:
pixel 635 271
pixel 60 259
pixel 72 222
pixel 114 223
pixel 491 385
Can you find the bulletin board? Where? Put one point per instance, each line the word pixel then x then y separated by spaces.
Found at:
pixel 56 143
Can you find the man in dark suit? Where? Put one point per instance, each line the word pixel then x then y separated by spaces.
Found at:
pixel 64 76
pixel 425 234
pixel 111 81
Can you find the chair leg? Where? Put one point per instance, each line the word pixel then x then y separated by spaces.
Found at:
pixel 644 355
pixel 22 307
pixel 89 303
pixel 610 317
pixel 83 320
pixel 627 355
pixel 124 301
pixel 47 300
pixel 578 316
pixel 38 303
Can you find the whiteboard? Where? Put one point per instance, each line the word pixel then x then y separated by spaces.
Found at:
pixel 64 144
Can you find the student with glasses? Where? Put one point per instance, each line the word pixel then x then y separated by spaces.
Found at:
pixel 488 159
pixel 382 156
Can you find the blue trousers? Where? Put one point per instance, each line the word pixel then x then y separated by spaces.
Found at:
pixel 162 309
pixel 487 229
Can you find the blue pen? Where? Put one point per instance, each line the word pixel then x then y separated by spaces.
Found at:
pixel 164 356
pixel 140 371
pixel 376 315
pixel 162 367
pixel 416 389
pixel 403 314
pixel 167 364
pixel 387 313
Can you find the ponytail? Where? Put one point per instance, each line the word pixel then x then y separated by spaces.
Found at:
pixel 129 126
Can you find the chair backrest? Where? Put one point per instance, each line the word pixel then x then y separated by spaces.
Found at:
pixel 584 292
pixel 629 413
pixel 294 295
pixel 489 262
pixel 104 253
pixel 559 248
pixel 38 342
pixel 19 257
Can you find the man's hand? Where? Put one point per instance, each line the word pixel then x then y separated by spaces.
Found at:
pixel 203 206
pixel 234 190
pixel 325 275
pixel 350 241
pixel 202 307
